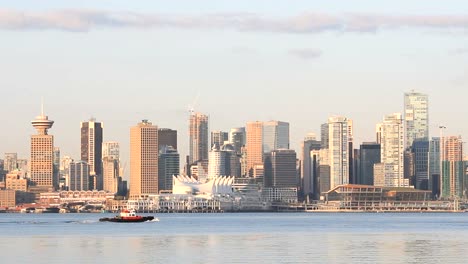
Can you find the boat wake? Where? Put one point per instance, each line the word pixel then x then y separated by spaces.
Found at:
pixel 154 220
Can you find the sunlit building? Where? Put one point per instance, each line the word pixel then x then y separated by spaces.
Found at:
pixel 340 131
pixel 416 117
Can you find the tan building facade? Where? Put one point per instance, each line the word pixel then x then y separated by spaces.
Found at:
pixel 198 133
pixel 110 171
pixel 7 198
pixel 143 159
pixel 254 145
pixel 42 154
pixel 15 182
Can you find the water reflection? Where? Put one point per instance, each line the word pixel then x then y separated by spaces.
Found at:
pixel 294 238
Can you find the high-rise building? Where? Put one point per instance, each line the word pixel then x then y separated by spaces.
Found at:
pixel 369 155
pixel 392 151
pixel 309 165
pixel 340 130
pixel 56 163
pixel 143 159
pixel 111 149
pixel 198 133
pixel 167 137
pixel 169 160
pixel 237 138
pixel 420 150
pixel 434 166
pixel 216 163
pixel 79 176
pixel 280 169
pixel 91 150
pixel 275 136
pixel 65 170
pixel 453 170
pixel 324 136
pixel 42 155
pixel 416 117
pixel 254 145
pixel 10 163
pixel 110 174
pixel 218 138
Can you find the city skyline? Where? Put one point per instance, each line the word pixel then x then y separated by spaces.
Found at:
pixel 310 60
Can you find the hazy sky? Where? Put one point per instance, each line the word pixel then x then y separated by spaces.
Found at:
pixel 297 61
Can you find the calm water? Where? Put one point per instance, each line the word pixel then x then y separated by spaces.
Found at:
pixel 236 238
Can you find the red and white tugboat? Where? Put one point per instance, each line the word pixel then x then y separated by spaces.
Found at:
pixel 127 216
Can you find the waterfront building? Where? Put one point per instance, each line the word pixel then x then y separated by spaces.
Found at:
pixel 144 159
pixel 309 165
pixel 198 141
pixel 42 155
pixel 7 198
pixel 452 170
pixel 379 174
pixel 280 169
pixel 416 117
pixel 10 162
pixel 167 137
pixel 340 130
pixel 420 150
pixel 254 147
pixel 169 165
pixel 217 185
pixel 79 176
pixel 237 137
pixel 392 151
pixel 369 155
pixel 91 150
pixel 218 138
pixel 275 136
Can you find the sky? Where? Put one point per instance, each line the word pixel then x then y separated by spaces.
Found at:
pixel 298 61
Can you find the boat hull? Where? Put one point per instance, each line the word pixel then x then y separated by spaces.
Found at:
pixel 123 220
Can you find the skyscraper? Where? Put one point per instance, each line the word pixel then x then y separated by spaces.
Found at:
pixel 167 137
pixel 219 137
pixel 370 155
pixel 216 162
pixel 434 166
pixel 237 138
pixel 10 162
pixel 143 159
pixel 111 166
pixel 169 161
pixel 198 133
pixel 416 117
pixel 91 150
pixel 42 155
pixel 280 169
pixel 275 136
pixel 392 151
pixel 309 165
pixel 79 176
pixel 340 130
pixel 111 149
pixel 324 137
pixel 453 170
pixel 420 150
pixel 254 145
pixel 110 174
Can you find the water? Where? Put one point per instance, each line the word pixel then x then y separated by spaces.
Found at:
pixel 236 238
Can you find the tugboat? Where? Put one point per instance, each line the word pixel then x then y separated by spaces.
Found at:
pixel 127 216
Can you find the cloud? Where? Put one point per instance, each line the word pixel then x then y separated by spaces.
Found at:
pixel 306 54
pixel 82 20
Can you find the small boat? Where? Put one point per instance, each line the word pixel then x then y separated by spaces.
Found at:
pixel 127 216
